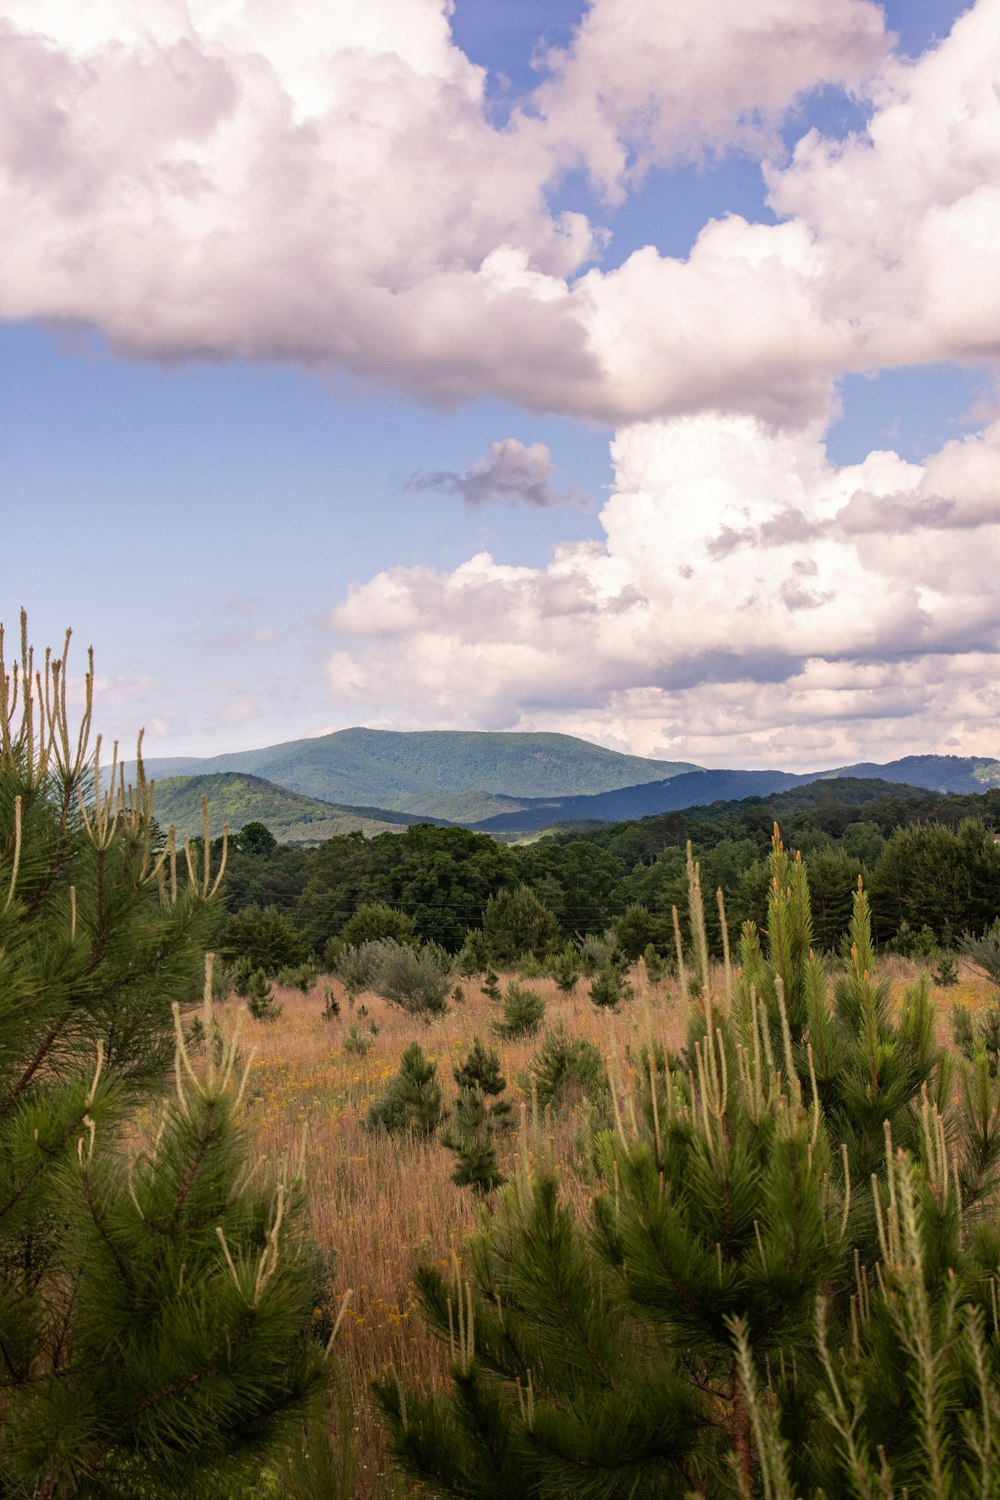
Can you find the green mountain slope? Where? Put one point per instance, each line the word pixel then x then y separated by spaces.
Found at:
pixel 422 772
pixel 237 800
pixel 939 773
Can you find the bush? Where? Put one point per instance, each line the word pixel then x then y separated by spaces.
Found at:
pixel 412 1100
pixel 523 1012
pixel 358 1042
pixel 297 977
pixel 120 1376
pixel 564 1069
pixel 984 951
pixel 474 955
pixel 600 951
pixel 375 920
pixel 609 988
pixel 259 997
pixel 564 968
pixel 476 1122
pixel 417 979
pixel 357 968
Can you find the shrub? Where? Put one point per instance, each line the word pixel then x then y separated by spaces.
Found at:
pixel 600 951
pixel 417 979
pixel 984 951
pixel 358 1042
pixel 609 987
pixel 564 1069
pixel 412 1100
pixel 297 977
pixel 785 1285
pixel 119 1377
pixel 656 965
pixel 477 1118
pixel 474 955
pixel 260 997
pixel 331 1005
pixel 564 968
pixel 523 1012
pixel 357 968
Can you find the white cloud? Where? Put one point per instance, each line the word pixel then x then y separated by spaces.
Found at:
pixel 642 85
pixel 511 473
pixel 227 179
pixel 801 639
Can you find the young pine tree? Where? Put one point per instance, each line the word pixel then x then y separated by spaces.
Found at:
pixel 770 1296
pixel 154 1292
pixel 477 1117
pixel 412 1100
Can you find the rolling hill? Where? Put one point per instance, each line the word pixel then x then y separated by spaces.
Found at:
pixel 238 799
pixel 422 772
pixel 939 773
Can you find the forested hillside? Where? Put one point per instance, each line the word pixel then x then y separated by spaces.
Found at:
pixel 931 862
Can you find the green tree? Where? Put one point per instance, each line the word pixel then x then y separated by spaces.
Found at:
pixel 374 920
pixel 477 1118
pixel 412 1100
pixel 516 922
pixel 264 937
pixel 669 1344
pixel 155 1292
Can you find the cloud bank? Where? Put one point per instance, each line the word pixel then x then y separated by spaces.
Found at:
pixel 196 181
pixel 752 603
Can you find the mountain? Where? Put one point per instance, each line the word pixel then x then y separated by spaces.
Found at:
pixel 423 772
pixel 939 773
pixel 237 799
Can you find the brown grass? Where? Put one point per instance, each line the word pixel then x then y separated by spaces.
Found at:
pixel 380 1204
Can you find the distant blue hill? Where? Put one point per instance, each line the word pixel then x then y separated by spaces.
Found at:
pixel 938 773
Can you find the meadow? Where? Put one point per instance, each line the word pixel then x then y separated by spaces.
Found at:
pixel 379 1203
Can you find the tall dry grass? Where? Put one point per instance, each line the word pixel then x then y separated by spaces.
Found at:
pixel 379 1203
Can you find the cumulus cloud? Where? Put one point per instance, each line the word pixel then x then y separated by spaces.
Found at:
pixel 509 474
pixel 195 180
pixel 643 85
pixel 809 636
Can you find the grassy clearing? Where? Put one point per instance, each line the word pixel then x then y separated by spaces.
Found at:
pixel 379 1203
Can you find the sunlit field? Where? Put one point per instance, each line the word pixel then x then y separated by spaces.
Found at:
pixel 379 1203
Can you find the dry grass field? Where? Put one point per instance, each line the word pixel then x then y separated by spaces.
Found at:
pixel 379 1203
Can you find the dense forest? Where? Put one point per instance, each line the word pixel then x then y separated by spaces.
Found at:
pixel 931 863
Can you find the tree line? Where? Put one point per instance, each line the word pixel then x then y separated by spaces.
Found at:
pixel 931 864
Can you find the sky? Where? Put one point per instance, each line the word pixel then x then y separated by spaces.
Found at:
pixel 620 369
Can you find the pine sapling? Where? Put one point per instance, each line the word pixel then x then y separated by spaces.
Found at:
pixel 412 1100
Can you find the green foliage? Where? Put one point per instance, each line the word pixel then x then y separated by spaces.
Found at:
pixel 515 922
pixel 260 997
pixel 297 977
pixel 637 929
pixel 412 1099
pixel 491 985
pixel 764 1301
pixel 358 1042
pixel 609 987
pixel 984 951
pixel 564 1070
pixel 945 972
pixel 656 965
pixel 374 920
pixel 478 1116
pixel 155 1288
pixel 979 1036
pixel 474 955
pixel 331 1005
pixel 564 968
pixel 265 937
pixel 523 1013
pixel 417 979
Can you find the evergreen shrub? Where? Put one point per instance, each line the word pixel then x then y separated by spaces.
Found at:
pixel 155 1283
pixel 412 1099
pixel 786 1286
pixel 523 1013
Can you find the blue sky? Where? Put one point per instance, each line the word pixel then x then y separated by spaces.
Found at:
pixel 235 335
